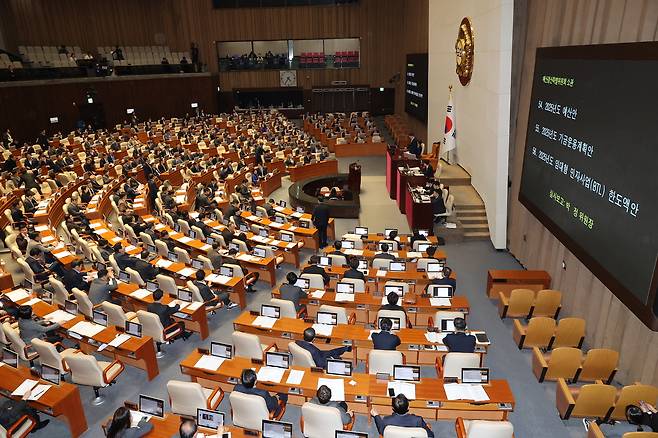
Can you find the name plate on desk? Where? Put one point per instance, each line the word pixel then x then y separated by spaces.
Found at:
pixel 360 307
pixel 433 404
pixel 286 335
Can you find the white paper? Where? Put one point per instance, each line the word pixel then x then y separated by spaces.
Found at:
pixel 295 377
pixel 434 337
pixel 221 279
pixel 461 391
pixel 130 248
pixel 270 374
pixel 323 329
pixel 38 391
pixel 17 295
pixel 136 417
pixel 440 302
pixel 381 273
pixel 101 231
pixel 40 228
pixel 24 387
pixel 163 263
pixel 408 389
pixel 337 387
pixel 47 239
pixel 120 339
pixel 206 247
pixel 59 316
pixel 62 254
pixel 32 302
pixel 186 272
pixel 195 305
pixel 140 294
pixel 181 304
pixel 317 294
pixel 185 239
pixel 208 362
pixel 354 252
pixel 291 244
pixel 344 297
pixel 414 254
pixel 264 321
pixel 86 328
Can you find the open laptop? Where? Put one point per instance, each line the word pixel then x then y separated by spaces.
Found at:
pixel 210 240
pixel 124 276
pixel 234 246
pixel 285 237
pixel 300 210
pixel 197 264
pixel 475 376
pixel 363 266
pixel 448 325
pixel 434 268
pixel 387 231
pixel 339 367
pixel 220 349
pixel 393 288
pixel 278 360
pixel 361 231
pixel 304 283
pixel 347 244
pixel 325 261
pixel 99 317
pixel 192 234
pixel 263 232
pixel 151 406
pixel 260 252
pixel 407 373
pixel 276 429
pixel 226 271
pixel 344 288
pixel 10 357
pixel 209 419
pixel 440 291
pixel 184 295
pixel 327 318
pixel 394 320
pixel 151 286
pixel 397 266
pixel 422 247
pixel 270 311
pixel 71 307
pixel 279 219
pixel 172 256
pixel 50 374
pixel 134 329
pixel 152 249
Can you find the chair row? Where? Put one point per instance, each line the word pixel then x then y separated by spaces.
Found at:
pixel 546 333
pixel 569 363
pixel 523 303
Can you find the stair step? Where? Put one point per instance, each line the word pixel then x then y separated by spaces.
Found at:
pixel 472 220
pixel 469 207
pixel 469 227
pixel 476 236
pixel 471 213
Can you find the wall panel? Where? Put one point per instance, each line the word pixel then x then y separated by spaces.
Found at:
pixel 609 323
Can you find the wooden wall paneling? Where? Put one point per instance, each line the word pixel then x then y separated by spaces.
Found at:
pixel 609 323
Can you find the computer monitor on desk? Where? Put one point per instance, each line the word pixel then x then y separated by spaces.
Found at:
pixel 99 317
pixel 260 252
pixel 393 288
pixel 226 271
pixel 304 283
pixel 263 232
pixel 276 429
pixel 151 406
pixel 270 311
pixel 220 349
pixel 440 291
pixel 278 360
pixel 448 325
pixel 327 318
pixel 339 367
pixel 424 233
pixel 197 264
pixel 363 266
pixel 344 288
pixel 475 376
pixel 209 419
pixel 134 329
pixel 347 244
pixel 394 320
pixel 388 231
pixel 407 373
pixel 397 267
pixel 50 374
pixel 234 246
pixel 151 286
pixel 361 231
pixel 172 256
pixel 325 261
pixel 71 307
pixel 10 357
pixel 285 237
pixel 185 295
pixel 124 276
pixel 422 247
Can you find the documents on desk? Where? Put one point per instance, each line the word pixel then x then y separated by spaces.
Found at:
pixel 40 228
pixel 344 297
pixel 47 239
pixel 440 302
pixel 62 254
pixel 354 252
pixel 414 254
pixel 181 304
pixel 101 231
pixel 86 328
pixel 31 302
pixel 408 389
pixel 130 248
pixel 194 305
pixel 221 279
pixel 17 295
pixel 381 273
pixel 159 227
pixel 58 316
pixel 140 294
pixel 185 239
pixel 270 374
pixel 205 247
pixel 120 339
pixel 435 337
pixel 317 294
pixel 323 329
pixel 337 387
pixel 136 417
pixel 463 391
pixel 295 377
pixel 208 362
pixel 163 263
pixel 264 321
pixel 24 387
pixel 186 272
pixel 38 391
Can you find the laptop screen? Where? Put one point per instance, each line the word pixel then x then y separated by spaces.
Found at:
pixel 345 288
pixel 393 288
pixel 276 429
pixel 151 406
pixel 361 231
pixel 282 203
pixel 434 267
pixel 387 231
pixel 475 375
pixel 260 252
pixel 300 210
pixel 395 321
pixel 363 265
pixel 100 317
pixel 286 237
pixel 209 419
pixel 234 246
pixel 304 224
pixel 71 307
pixel 151 286
pixel 124 276
pixel 172 256
pixel 339 367
pixel 447 325
pixel 185 295
pixel 221 350
pixel 424 232
pixel 210 240
pixel 279 219
pixel 325 261
pixel 440 291
pixel 397 266
pixel 134 329
pixel 152 248
pixel 271 311
pixel 197 264
pixel 226 271
pixel 328 318
pixel 304 283
pixel 410 373
pixel 263 232
pixel 347 244
pixel 278 360
pixel 100 266
pixel 50 374
pixel 422 247
pixel 192 234
pixel 10 357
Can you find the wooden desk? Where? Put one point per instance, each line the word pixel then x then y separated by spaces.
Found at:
pixel 417 280
pixel 271 183
pixel 331 231
pixel 401 254
pixel 326 167
pixel 507 280
pixel 168 426
pixel 360 149
pixel 61 400
pixel 420 215
pixel 402 190
pixel 309 236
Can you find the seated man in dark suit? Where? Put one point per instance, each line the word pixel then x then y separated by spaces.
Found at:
pixel 392 298
pixel 353 272
pixel 338 245
pixel 74 278
pixel 123 260
pixel 323 398
pixel 315 268
pixel 248 386
pixel 35 261
pixel 400 417
pixel 443 280
pixel 384 254
pixel 210 296
pixel 291 292
pixel 459 341
pixel 320 356
pixel 414 146
pixel 165 312
pixel 385 340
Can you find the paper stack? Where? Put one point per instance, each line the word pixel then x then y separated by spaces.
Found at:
pixel 461 391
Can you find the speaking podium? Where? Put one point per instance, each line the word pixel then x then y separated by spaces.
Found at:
pixel 354 178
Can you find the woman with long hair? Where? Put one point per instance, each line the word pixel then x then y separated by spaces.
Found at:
pixel 120 425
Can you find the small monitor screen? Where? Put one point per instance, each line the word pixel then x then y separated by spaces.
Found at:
pixel 397 266
pixel 422 247
pixel 71 307
pixel 271 311
pixel 347 244
pixel 304 283
pixel 344 288
pixel 100 318
pixel 440 291
pixel 395 321
pixel 325 261
pixel 134 329
pixel 304 224
pixel 130 110
pixel 194 105
pixel 54 119
pixel 210 240
pixel 393 288
pixel 50 374
pixel 328 318
pixel 279 219
pixel 172 256
pixel 409 373
pixel 152 248
pixel 300 210
pixel 447 325
pixel 192 234
pixel 361 231
pixel 339 367
pixel 388 231
pixel 227 271
pixel 177 228
pixel 221 350
pixel 286 237
pixel 434 267
pixel 197 264
pixel 209 419
pixel 124 276
pixel 278 360
pixel 263 232
pixel 282 203
pixel 363 265
pixel 424 232
pixel 151 406
pixel 475 375
pixel 243 228
pixel 151 286
pixel 260 252
pixel 234 246
pixel 276 429
pixel 185 295
pixel 10 357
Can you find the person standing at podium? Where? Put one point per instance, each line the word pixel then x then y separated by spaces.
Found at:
pixel 320 219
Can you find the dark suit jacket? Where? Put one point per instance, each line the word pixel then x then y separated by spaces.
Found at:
pixel 414 147
pixel 292 293
pixel 384 255
pixel 164 312
pixel 353 273
pixel 270 400
pixel 313 269
pixel 406 420
pixel 72 279
pixel 460 342
pixel 124 261
pixel 321 215
pixel 445 282
pixel 385 341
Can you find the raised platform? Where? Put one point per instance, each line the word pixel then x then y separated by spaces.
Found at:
pixel 360 149
pixel 305 194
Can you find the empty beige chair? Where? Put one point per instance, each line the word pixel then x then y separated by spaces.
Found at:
pixel 186 397
pixel 593 401
pixel 49 355
pixel 443 314
pixel 337 259
pixel 382 361
pixel 632 395
pixel 287 308
pixel 422 263
pixel 316 281
pixel 146 239
pixel 393 314
pixel 454 362
pixel 20 429
pixel 60 294
pixel 249 410
pixel 341 313
pixel 359 285
pixel 518 304
pixel 301 357
pixel 570 332
pixel 538 333
pixel 161 248
pixel 319 421
pixel 548 302
pixel 599 364
pixel 183 256
pixel 380 263
pixel 135 278
pixel 483 429
pixel 167 284
pixel 84 305
pixel 248 345
pixel 115 314
pixel 151 326
pixel 563 362
pixel 86 370
pixel 404 432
